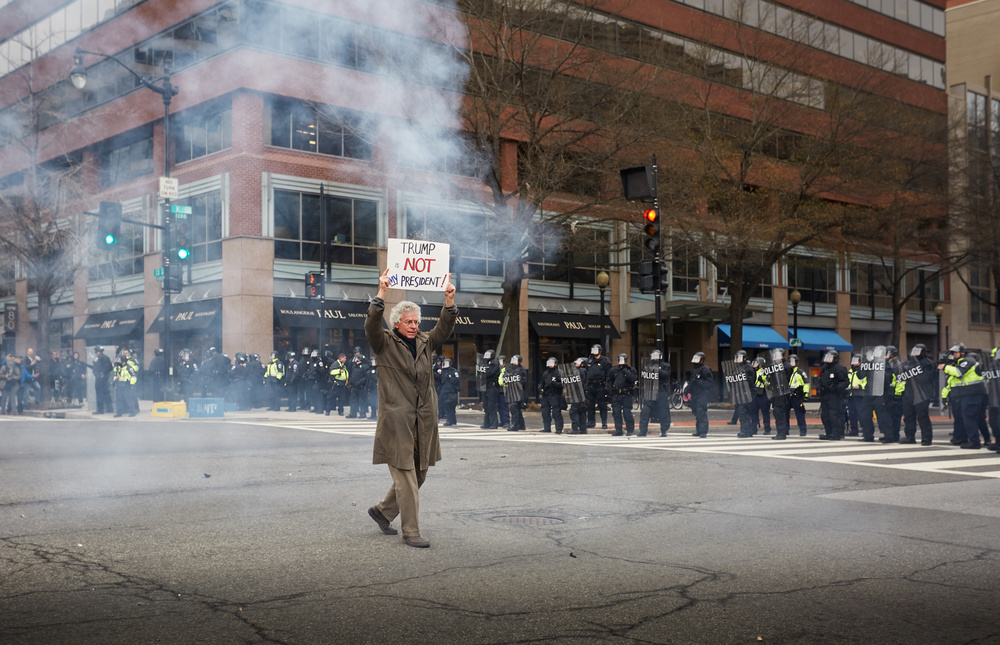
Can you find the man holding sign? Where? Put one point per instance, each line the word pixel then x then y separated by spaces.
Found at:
pixel 406 437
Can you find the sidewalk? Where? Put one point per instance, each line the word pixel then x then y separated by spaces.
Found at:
pixel 718 417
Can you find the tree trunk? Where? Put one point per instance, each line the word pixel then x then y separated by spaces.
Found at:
pixel 42 349
pixel 510 334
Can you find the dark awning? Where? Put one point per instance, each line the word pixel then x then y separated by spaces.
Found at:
pixel 554 325
pixel 110 325
pixel 759 336
pixel 470 320
pixel 305 312
pixel 188 316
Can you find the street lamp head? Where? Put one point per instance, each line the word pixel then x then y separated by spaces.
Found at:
pixel 938 310
pixel 795 297
pixel 78 75
pixel 603 279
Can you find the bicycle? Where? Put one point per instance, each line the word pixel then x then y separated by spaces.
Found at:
pixel 677 396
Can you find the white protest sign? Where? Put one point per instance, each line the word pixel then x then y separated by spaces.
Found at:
pixel 418 265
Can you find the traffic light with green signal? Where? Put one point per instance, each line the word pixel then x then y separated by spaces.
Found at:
pixel 182 248
pixel 109 225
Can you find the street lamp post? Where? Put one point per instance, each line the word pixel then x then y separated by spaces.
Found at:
pixel 795 297
pixel 602 284
pixel 938 312
pixel 78 76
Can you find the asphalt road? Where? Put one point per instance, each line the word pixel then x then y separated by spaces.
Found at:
pixel 255 531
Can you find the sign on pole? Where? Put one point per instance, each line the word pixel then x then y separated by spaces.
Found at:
pixel 418 265
pixel 169 188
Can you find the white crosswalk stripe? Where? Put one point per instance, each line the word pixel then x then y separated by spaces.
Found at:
pixel 941 457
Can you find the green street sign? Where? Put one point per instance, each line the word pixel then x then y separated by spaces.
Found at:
pixel 795 342
pixel 158 273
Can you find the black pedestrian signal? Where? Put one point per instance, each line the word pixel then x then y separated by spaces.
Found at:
pixel 651 230
pixel 173 281
pixel 109 225
pixel 653 276
pixel 314 284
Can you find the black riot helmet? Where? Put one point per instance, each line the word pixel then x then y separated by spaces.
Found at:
pixel 831 356
pixel 551 362
pixel 656 355
pixel 445 363
pixel 596 350
pixel 793 360
pixel 515 359
pixel 698 358
pixel 856 360
pixel 919 350
pixel 891 352
pixel 740 356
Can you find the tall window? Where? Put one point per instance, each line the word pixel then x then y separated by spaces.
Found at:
pixel 981 294
pixel 762 290
pixel 686 274
pixel 815 279
pixel 471 251
pixel 203 131
pixel 926 288
pixel 126 158
pixel 126 257
pixel 869 284
pixel 352 228
pixel 205 224
pixel 318 128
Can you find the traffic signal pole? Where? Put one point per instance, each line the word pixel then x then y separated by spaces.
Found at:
pixel 657 295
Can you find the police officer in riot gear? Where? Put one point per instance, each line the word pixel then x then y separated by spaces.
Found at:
pixel 621 386
pixel 551 399
pixel 491 391
pixel 832 389
pixel 661 404
pixel 516 374
pixel 596 387
pixel 745 412
pixel 578 411
pixel 450 385
pixel 798 383
pixel 856 384
pixel 969 388
pixel 921 379
pixel 699 385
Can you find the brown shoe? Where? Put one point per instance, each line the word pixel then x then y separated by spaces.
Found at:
pixel 382 522
pixel 417 541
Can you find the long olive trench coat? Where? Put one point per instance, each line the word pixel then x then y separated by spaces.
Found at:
pixel 407 402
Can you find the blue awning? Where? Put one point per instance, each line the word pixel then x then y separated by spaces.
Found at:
pixel 758 336
pixel 823 339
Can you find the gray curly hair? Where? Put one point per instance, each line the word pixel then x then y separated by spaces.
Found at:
pixel 403 307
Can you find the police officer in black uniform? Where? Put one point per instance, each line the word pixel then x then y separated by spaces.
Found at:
pixel 357 383
pixel 621 386
pixel 699 385
pixel 596 387
pixel 921 375
pixel 660 406
pixel 746 412
pixel 551 387
pixel 451 383
pixel 578 410
pixel 832 391
pixel 293 379
pixel 491 391
pixel 515 373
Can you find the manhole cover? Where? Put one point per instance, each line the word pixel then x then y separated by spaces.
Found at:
pixel 530 520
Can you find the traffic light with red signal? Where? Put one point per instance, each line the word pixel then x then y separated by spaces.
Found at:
pixel 651 230
pixel 314 284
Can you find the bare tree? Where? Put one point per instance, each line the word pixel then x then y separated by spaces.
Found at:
pixel 552 110
pixel 770 157
pixel 39 228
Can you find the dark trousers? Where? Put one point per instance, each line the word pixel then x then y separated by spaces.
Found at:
pixel 995 422
pixel 516 418
pixel 798 406
pixel 780 405
pixel 972 408
pixel 699 405
pixel 868 407
pixel 503 408
pixel 854 406
pixel 552 411
pixel 884 414
pixel 915 414
pixel 490 402
pixel 831 412
pixel 578 418
pixel 760 404
pixel 597 401
pixel 662 408
pixel 292 392
pixel 447 403
pixel 957 419
pixel 359 403
pixel 746 413
pixel 336 398
pixel 274 391
pixel 102 389
pixel 621 411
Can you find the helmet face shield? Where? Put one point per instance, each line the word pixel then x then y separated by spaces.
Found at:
pixel 698 358
pixel 622 359
pixel 656 355
pixel 551 362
